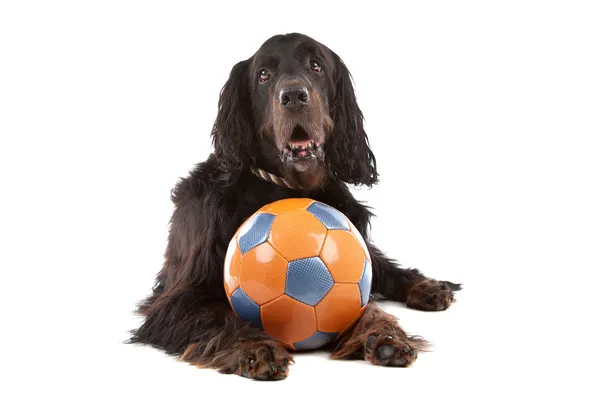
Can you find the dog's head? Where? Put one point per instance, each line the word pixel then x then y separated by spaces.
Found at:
pixel 291 108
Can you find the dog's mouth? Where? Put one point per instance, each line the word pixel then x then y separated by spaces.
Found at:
pixel 301 147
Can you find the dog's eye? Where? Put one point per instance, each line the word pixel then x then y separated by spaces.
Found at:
pixel 315 66
pixel 263 75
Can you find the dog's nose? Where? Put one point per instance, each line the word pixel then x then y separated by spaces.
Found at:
pixel 294 97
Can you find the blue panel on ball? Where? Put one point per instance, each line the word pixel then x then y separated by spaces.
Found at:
pixel 255 232
pixel 318 339
pixel 329 216
pixel 308 280
pixel 364 285
pixel 246 308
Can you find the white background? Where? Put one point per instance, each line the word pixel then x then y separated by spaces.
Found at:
pixel 484 117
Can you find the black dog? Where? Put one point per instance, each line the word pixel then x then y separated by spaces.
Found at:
pixel 288 125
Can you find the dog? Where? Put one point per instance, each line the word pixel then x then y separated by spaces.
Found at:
pixel 288 125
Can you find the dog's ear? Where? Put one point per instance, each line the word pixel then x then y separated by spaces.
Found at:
pixel 347 149
pixel 232 133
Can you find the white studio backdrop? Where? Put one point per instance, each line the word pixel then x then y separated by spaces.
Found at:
pixel 484 118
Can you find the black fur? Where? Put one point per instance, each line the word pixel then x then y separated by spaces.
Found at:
pixel 349 136
pixel 187 313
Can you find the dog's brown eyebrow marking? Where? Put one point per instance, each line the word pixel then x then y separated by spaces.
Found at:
pixel 266 61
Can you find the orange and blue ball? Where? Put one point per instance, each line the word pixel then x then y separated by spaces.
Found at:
pixel 299 270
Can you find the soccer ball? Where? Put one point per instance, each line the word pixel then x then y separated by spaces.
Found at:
pixel 299 270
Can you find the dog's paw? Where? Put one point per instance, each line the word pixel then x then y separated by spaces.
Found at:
pixel 264 360
pixel 432 295
pixel 390 350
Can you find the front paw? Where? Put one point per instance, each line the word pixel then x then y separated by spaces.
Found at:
pixel 432 295
pixel 263 360
pixel 390 350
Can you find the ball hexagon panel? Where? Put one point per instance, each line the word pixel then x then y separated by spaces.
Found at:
pixel 254 231
pixel 365 283
pixel 308 280
pixel 283 206
pixel 316 340
pixel 329 216
pixel 246 308
pixel 232 268
pixel 338 308
pixel 297 234
pixel 344 256
pixel 267 282
pixel 288 320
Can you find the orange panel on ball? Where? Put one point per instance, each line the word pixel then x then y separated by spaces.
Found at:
pixel 262 273
pixel 297 234
pixel 285 205
pixel 338 308
pixel 357 316
pixel 288 320
pixel 344 257
pixel 232 268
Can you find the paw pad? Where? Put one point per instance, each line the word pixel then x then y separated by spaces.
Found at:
pixel 389 351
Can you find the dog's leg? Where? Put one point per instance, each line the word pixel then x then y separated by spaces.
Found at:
pixel 210 335
pixel 377 337
pixel 239 349
pixel 409 285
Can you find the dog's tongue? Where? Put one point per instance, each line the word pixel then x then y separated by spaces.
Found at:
pixel 300 142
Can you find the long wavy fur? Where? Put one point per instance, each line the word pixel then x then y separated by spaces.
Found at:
pixel 349 136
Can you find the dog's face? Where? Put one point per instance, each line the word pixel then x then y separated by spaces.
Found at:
pixel 291 108
pixel 290 91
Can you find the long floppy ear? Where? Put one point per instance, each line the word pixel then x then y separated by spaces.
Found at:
pixel 232 133
pixel 347 149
